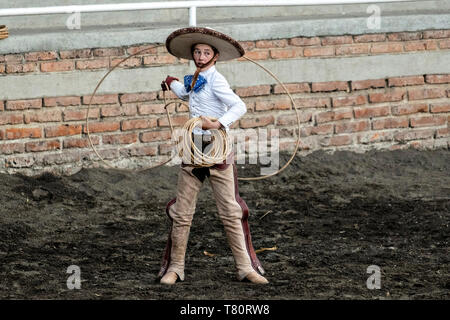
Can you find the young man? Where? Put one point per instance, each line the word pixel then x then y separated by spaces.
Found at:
pixel 210 95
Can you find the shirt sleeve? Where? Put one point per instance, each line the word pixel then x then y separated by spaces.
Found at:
pixel 236 107
pixel 178 88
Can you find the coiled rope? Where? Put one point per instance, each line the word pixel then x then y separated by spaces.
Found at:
pixel 221 142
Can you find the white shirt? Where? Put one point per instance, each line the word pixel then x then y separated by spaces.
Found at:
pixel 216 99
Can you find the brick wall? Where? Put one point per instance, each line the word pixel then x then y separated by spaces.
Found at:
pixel 130 129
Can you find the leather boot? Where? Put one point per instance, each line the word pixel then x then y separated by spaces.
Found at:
pixel 256 278
pixel 169 278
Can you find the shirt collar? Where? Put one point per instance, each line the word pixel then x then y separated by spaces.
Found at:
pixel 208 72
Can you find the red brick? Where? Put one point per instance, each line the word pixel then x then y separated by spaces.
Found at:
pixel 62 130
pixel 318 51
pixel 352 126
pixel 111 111
pixel 256 55
pixel 20 162
pixel 92 64
pixel 436 34
pixel 336 40
pixel 151 136
pixel 139 151
pixel 437 78
pixel 428 121
pixel 444 44
pixel 329 86
pixel 431 44
pixel 13 58
pixel 374 137
pixel 75 54
pixel 377 37
pixel 409 109
pixel 146 109
pixel 405 81
pixel 313 102
pixel 80 142
pixel 386 47
pixel 101 127
pixel 2 68
pixel 62 101
pixel 37 146
pixel 404 36
pixel 2 105
pixel 41 56
pixel 160 59
pixel 259 121
pixel 64 65
pixel 371 112
pixel 24 104
pixel 349 101
pixel 291 119
pixel 337 141
pixel 304 41
pixel 322 129
pixel 337 115
pixel 408 135
pixel 388 96
pixel 101 99
pixel 352 49
pixel 415 46
pixel 43 116
pixel 22 133
pixel 176 121
pixel 292 88
pixel 430 93
pixel 141 50
pixel 138 124
pixel 440 107
pixel 108 52
pixel 120 138
pixel 442 132
pixel 253 91
pixel 166 148
pixel 21 68
pixel 137 97
pixel 286 53
pixel 247 45
pixel 77 115
pixel 10 148
pixel 390 123
pixel 368 84
pixel 128 63
pixel 283 104
pixel 281 43
pixel 10 118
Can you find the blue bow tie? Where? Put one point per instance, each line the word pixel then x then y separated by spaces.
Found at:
pixel 199 84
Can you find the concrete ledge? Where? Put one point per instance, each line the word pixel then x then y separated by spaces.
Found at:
pixel 240 29
pixel 239 74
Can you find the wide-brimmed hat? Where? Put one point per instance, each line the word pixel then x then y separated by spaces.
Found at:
pixel 179 43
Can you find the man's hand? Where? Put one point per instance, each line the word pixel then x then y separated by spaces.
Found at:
pixel 167 82
pixel 208 124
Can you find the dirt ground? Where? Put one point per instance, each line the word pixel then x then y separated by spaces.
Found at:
pixel 330 217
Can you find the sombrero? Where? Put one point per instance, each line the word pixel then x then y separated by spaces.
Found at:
pixel 180 42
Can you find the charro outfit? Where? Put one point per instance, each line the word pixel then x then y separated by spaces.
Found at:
pixel 211 96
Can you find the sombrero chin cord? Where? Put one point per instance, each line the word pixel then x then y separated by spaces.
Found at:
pixel 221 145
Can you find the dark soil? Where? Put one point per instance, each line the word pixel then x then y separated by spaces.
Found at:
pixel 330 217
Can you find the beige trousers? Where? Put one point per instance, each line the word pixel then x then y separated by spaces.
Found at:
pixel 232 211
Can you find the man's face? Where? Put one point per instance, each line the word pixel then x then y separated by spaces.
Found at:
pixel 202 54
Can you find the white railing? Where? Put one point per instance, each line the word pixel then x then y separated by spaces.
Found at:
pixel 191 5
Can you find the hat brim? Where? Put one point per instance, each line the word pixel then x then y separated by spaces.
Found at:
pixel 179 43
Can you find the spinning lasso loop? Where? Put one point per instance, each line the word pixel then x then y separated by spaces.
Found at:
pixel 221 142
